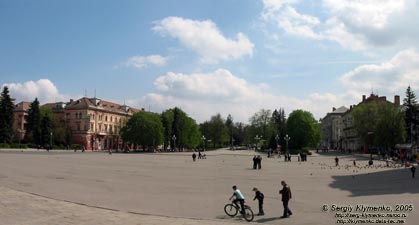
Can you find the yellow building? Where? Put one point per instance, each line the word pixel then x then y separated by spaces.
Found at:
pixel 94 123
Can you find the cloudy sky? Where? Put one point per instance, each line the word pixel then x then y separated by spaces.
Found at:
pixel 206 57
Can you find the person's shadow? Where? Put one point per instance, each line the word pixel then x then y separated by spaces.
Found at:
pixel 265 220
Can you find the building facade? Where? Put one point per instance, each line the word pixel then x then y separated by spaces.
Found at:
pixel 351 139
pixel 95 124
pixel 332 128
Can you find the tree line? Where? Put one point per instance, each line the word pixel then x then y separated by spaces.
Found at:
pixel 175 129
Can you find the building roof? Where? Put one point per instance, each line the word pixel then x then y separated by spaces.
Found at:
pixel 22 107
pixel 98 104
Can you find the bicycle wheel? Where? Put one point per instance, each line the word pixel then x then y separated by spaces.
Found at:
pixel 230 209
pixel 248 214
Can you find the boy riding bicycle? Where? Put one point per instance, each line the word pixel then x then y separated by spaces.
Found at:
pixel 238 197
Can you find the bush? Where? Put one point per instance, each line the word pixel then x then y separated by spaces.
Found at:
pixel 76 146
pixel 4 145
pixel 18 145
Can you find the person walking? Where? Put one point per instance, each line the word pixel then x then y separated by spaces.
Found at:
pixel 286 196
pixel 194 156
pixel 259 196
pixel 259 162
pixel 255 162
pixel 413 169
pixel 337 161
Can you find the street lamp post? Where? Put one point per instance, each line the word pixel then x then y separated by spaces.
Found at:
pixel 174 142
pixel 287 138
pixel 50 145
pixel 203 142
pixel 257 138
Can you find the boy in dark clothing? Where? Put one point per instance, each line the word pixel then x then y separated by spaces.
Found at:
pixel 413 169
pixel 259 196
pixel 255 162
pixel 286 196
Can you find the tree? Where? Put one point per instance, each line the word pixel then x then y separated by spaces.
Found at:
pixel 261 127
pixel 239 133
pixel 390 127
pixel 230 126
pixel 6 116
pixel 216 131
pixel 33 130
pixel 178 124
pixel 411 116
pixel 365 120
pixel 303 129
pixel 46 131
pixel 280 122
pixel 143 128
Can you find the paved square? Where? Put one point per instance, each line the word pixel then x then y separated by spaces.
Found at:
pixel 175 186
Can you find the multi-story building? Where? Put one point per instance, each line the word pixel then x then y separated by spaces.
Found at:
pixel 20 116
pixel 351 139
pixel 332 128
pixel 94 123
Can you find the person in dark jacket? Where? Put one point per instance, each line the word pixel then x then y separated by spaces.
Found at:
pixel 259 162
pixel 413 169
pixel 286 196
pixel 259 196
pixel 255 162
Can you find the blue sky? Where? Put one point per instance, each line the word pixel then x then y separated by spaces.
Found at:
pixel 230 57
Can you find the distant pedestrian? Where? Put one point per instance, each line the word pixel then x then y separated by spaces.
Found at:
pixel 259 196
pixel 413 169
pixel 255 162
pixel 199 155
pixel 259 162
pixel 286 197
pixel 110 151
pixel 354 163
pixel 337 161
pixel 194 156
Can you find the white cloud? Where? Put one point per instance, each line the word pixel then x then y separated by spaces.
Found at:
pixel 144 61
pixel 203 95
pixel 388 78
pixel 218 84
pixel 42 89
pixel 204 38
pixel 356 25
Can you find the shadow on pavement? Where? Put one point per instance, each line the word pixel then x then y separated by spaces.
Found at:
pixel 265 220
pixel 395 181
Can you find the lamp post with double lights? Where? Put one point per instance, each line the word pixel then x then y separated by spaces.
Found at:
pixel 257 138
pixel 203 142
pixel 287 138
pixel 174 142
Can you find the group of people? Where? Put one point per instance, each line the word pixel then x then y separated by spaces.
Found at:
pixel 257 162
pixel 285 193
pixel 200 156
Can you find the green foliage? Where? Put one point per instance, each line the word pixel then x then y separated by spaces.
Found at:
pixel 303 130
pixel 390 127
pixel 178 123
pixel 365 120
pixel 280 123
pixel 215 131
pixel 411 115
pixel 143 128
pixel 380 123
pixel 6 117
pixel 46 131
pixel 33 130
pixel 229 125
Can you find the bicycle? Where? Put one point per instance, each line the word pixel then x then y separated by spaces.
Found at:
pixel 231 210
